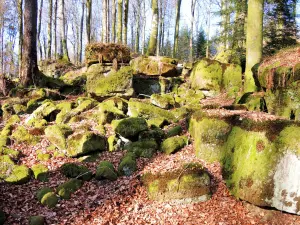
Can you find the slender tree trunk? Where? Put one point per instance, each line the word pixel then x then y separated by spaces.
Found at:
pixel 104 21
pixel 81 33
pixel 20 22
pixel 176 34
pixel 225 23
pixel 154 30
pixel 119 27
pixel 208 30
pixel 88 20
pixel 137 28
pixel 55 29
pixel 64 47
pixel 144 28
pixel 39 30
pixel 49 46
pixel 254 41
pixel 29 62
pixel 192 30
pixel 126 7
pixel 114 13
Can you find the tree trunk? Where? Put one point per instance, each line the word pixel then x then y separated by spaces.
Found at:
pixel 39 30
pixel 225 23
pixel 81 32
pixel 29 62
pixel 126 5
pixel 254 42
pixel 104 21
pixel 20 22
pixel 137 31
pixel 114 13
pixel 49 47
pixel 119 27
pixel 208 30
pixel 192 30
pixel 176 34
pixel 88 20
pixel 144 28
pixel 63 32
pixel 55 29
pixel 154 30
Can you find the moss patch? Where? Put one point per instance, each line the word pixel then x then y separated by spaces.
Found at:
pixel 19 175
pixel 40 172
pixel 144 148
pixel 36 220
pixel 22 135
pixel 127 165
pixel 174 144
pixel 130 127
pixel 106 170
pixel 66 189
pixel 72 170
pixel 57 135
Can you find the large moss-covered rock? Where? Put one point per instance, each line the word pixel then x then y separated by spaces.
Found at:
pixel 66 189
pixel 207 75
pixel 14 154
pixel 40 172
pixel 114 83
pixel 65 108
pixel 42 112
pixel 72 170
pixel 74 77
pixel 57 135
pixel 6 166
pixel 84 143
pixel 155 66
pixel 21 134
pixel 173 144
pixel 189 184
pixel 146 86
pixel 164 101
pixel 232 79
pixel 154 133
pixel 19 175
pixel 228 56
pixel 210 135
pixel 105 53
pixel 36 220
pixel 138 108
pixel 106 170
pixel 49 199
pixel 130 127
pixel 127 165
pixel 144 148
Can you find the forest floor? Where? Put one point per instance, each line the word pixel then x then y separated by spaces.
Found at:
pixel 125 201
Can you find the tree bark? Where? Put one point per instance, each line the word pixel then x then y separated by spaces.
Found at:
pixel 137 28
pixel 154 30
pixel 30 71
pixel 119 27
pixel 192 30
pixel 20 22
pixel 63 32
pixel 254 41
pixel 126 9
pixel 55 29
pixel 114 13
pixel 81 32
pixel 49 46
pixel 39 30
pixel 88 20
pixel 104 36
pixel 176 34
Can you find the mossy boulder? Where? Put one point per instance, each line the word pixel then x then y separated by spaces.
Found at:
pixel 146 110
pixel 41 192
pixel 112 143
pixel 174 131
pixel 84 143
pixel 72 170
pixel 210 135
pixel 66 189
pixel 228 56
pixel 13 120
pixel 49 199
pixel 127 165
pixel 187 96
pixel 19 109
pixel 65 108
pixel 6 166
pixel 155 66
pixel 115 83
pixel 146 86
pixel 144 148
pixel 19 175
pixel 154 133
pixel 164 101
pixel 253 102
pixel 36 220
pixel 106 170
pixel 232 79
pixel 130 127
pixel 44 111
pixel 174 144
pixel 21 134
pixel 10 152
pixel 191 183
pixel 4 140
pixel 74 77
pixel 40 172
pixel 7 130
pixel 207 75
pixel 57 135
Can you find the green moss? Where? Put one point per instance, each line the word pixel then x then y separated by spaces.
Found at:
pixel 165 101
pixel 37 123
pixel 112 143
pixel 43 156
pixel 36 220
pixel 148 111
pixel 22 135
pixel 40 172
pixel 207 75
pixel 232 79
pixel 14 119
pixel 6 166
pixel 19 175
pixel 50 200
pixel 89 158
pixel 106 170
pixel 154 133
pixel 174 131
pixel 66 189
pixel 157 122
pixel 209 135
pixel 114 83
pixel 74 78
pixel 10 152
pixel 174 144
pixel 130 127
pixel 41 192
pixel 127 165
pixel 65 108
pixel 144 148
pixel 228 56
pixel 43 111
pixel 72 170
pixel 6 131
pixel 146 86
pixel 57 135
pixel 51 148
pixel 288 140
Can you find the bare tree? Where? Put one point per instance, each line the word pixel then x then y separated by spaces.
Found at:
pixel 39 29
pixel 192 29
pixel 81 32
pixel 176 34
pixel 20 19
pixel 119 27
pixel 88 19
pixel 154 30
pixel 114 14
pixel 49 46
pixel 126 5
